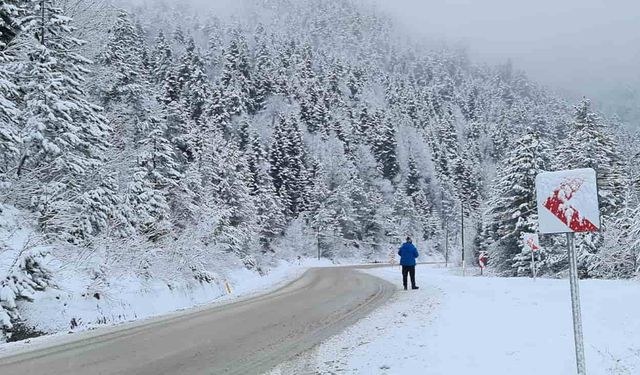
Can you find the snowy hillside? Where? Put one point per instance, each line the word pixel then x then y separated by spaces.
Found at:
pixel 155 144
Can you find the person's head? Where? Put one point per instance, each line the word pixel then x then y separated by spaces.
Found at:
pixel 408 239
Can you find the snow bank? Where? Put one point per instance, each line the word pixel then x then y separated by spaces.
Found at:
pixel 22 267
pixel 81 291
pixel 131 300
pixel 486 325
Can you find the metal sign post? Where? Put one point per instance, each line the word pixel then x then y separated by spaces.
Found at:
pixel 568 203
pixel 532 242
pixel 575 305
pixel 446 231
pixel 318 241
pixel 446 242
pixel 533 264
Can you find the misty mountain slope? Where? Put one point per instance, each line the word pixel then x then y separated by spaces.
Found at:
pixel 175 144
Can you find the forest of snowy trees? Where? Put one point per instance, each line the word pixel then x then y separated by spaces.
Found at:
pixel 166 140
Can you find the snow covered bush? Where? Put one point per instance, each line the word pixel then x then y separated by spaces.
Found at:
pixel 27 276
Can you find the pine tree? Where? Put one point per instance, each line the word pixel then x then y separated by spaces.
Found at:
pixel 161 58
pixel 591 145
pixel 288 166
pixel 385 150
pixel 340 201
pixel 355 83
pixel 324 214
pixel 372 212
pixel 124 54
pixel 62 134
pixel 618 255
pixel 363 125
pixel 213 55
pixel 406 218
pixel 226 184
pixel 146 207
pixel 61 127
pixel 263 76
pixel 193 82
pixel 178 37
pixel 10 13
pixel 307 106
pixel 446 150
pixel 466 184
pixel 236 77
pixel 96 208
pixel 269 208
pixel 218 113
pixel 176 118
pixel 416 189
pixel 413 181
pixel 157 155
pixel 634 234
pixel 512 207
pixel 282 82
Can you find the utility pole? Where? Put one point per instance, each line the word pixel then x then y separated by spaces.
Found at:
pixel 318 241
pixel 462 234
pixel 446 242
pixel 533 264
pixel 445 215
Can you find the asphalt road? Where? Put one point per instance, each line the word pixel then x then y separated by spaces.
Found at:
pixel 246 337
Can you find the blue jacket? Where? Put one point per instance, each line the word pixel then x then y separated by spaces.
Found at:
pixel 408 254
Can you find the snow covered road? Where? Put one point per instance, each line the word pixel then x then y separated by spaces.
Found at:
pixel 245 337
pixel 485 326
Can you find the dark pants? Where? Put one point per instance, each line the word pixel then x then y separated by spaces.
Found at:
pixel 411 270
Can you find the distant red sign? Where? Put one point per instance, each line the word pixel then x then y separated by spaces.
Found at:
pixel 482 260
pixel 531 241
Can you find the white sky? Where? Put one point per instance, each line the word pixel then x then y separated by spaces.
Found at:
pixel 579 46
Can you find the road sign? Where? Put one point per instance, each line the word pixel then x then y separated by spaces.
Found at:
pixel 482 260
pixel 568 201
pixel 531 241
pixel 392 257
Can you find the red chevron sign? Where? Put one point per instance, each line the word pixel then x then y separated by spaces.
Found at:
pixel 532 244
pixel 559 205
pixel 568 201
pixel 531 241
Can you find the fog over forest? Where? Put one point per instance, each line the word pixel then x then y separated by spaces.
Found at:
pixel 576 47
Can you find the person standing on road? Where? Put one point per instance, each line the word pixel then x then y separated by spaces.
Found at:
pixel 408 254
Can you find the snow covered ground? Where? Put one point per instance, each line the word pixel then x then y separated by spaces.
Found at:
pixel 485 325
